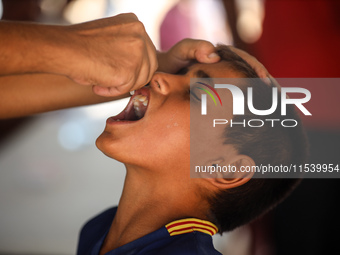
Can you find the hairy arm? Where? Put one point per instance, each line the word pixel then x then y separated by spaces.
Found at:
pixel 42 67
pixel 115 54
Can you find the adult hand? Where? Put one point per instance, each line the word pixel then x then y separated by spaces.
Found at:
pixel 255 64
pixel 185 51
pixel 182 53
pixel 115 55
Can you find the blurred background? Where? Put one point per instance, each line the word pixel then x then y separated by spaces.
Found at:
pixel 53 179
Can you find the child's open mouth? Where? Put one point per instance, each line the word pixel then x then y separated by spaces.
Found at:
pixel 136 108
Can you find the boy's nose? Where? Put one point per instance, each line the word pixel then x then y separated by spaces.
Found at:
pixel 164 83
pixel 160 84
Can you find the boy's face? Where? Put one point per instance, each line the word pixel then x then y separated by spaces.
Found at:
pixel 161 138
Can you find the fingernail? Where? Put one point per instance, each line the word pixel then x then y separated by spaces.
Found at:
pixel 212 55
pixel 132 92
pixel 266 80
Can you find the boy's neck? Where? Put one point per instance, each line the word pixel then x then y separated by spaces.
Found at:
pixel 148 202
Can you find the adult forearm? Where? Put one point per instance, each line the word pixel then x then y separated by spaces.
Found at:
pixel 43 92
pixel 31 48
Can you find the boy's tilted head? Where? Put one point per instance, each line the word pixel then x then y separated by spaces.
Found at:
pixel 152 137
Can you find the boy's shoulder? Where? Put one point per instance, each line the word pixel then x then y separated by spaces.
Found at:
pixel 158 242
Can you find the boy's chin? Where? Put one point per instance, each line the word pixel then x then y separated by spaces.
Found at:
pixel 104 146
pixel 111 149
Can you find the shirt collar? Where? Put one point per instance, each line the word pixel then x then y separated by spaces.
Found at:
pixel 190 225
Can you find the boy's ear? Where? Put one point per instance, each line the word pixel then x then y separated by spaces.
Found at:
pixel 239 172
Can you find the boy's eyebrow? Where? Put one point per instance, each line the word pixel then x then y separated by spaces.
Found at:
pixel 201 74
pixel 197 74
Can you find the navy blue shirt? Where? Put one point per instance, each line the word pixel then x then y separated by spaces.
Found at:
pixel 183 237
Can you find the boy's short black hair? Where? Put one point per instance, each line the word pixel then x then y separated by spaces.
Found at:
pixel 265 145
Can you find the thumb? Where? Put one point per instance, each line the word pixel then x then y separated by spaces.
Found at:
pixel 205 52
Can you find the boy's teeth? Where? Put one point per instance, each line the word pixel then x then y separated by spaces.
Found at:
pixel 137 101
pixel 141 98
